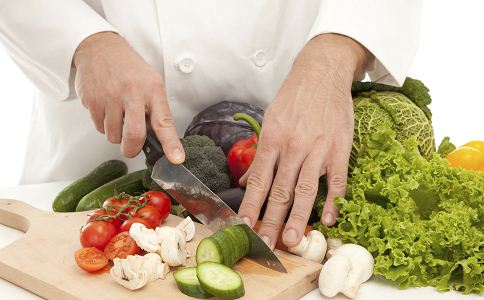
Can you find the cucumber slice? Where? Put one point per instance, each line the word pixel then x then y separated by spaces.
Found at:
pixel 187 281
pixel 209 250
pixel 220 280
pixel 228 250
pixel 241 237
pixel 235 245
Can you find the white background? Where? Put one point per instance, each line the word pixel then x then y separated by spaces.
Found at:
pixel 450 61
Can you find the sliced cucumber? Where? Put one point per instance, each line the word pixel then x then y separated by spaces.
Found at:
pixel 220 280
pixel 239 234
pixel 209 250
pixel 228 249
pixel 237 254
pixel 187 281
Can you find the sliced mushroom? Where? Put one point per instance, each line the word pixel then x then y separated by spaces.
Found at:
pixel 145 238
pixel 154 267
pixel 188 227
pixel 173 249
pixel 122 273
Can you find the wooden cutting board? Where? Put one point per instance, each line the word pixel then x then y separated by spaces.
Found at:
pixel 42 261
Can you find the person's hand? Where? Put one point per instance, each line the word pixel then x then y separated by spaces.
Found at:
pixel 121 90
pixel 307 132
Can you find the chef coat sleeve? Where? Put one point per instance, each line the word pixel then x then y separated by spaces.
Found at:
pixel 42 35
pixel 389 29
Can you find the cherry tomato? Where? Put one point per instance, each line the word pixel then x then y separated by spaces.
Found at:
pixel 116 203
pixel 150 214
pixel 97 234
pixel 160 201
pixel 127 224
pixel 105 215
pixel 479 145
pixel 466 157
pixel 91 259
pixel 120 246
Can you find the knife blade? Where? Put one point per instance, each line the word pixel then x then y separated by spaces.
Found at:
pixel 208 208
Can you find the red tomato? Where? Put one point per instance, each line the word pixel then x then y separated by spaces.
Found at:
pixel 97 234
pixel 160 201
pixel 127 224
pixel 91 259
pixel 105 215
pixel 120 246
pixel 150 214
pixel 116 203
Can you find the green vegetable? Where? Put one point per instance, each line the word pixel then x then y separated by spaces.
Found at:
pixel 220 280
pixel 69 197
pixel 414 89
pixel 225 246
pixel 206 161
pixel 395 110
pixel 421 220
pixel 445 147
pixel 187 281
pixel 131 183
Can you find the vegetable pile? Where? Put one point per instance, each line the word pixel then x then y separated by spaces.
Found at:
pixel 421 220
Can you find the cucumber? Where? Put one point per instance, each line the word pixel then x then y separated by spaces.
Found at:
pixel 131 183
pixel 209 250
pixel 220 280
pixel 69 197
pixel 228 250
pixel 240 239
pixel 187 282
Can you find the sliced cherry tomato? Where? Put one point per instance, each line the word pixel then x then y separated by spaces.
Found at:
pixel 102 214
pixel 91 259
pixel 97 234
pixel 160 201
pixel 150 214
pixel 127 224
pixel 479 145
pixel 466 157
pixel 120 246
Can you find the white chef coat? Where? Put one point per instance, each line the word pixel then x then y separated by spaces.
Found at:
pixel 207 51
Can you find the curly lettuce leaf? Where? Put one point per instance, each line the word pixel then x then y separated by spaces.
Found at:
pixel 445 147
pixel 421 220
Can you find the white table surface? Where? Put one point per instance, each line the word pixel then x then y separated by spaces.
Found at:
pixel 41 195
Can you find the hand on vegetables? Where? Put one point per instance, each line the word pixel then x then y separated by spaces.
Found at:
pixel 242 152
pixel 349 266
pixel 307 132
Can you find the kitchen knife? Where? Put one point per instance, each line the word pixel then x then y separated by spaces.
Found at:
pixel 202 203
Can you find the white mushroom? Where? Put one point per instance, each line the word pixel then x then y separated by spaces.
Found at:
pixel 188 227
pixel 312 247
pixel 136 271
pixel 122 273
pixel 167 231
pixel 333 244
pixel 173 249
pixel 145 238
pixel 349 266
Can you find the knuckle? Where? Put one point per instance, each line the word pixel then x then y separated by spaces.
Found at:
pixel 280 196
pixel 270 225
pixel 256 182
pixel 134 134
pixel 163 122
pixel 306 188
pixel 298 216
pixel 337 181
pixel 249 206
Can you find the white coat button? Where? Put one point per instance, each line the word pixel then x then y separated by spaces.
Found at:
pixel 259 58
pixel 186 65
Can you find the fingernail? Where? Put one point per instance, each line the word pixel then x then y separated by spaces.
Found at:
pixel 177 154
pixel 247 221
pixel 290 236
pixel 266 240
pixel 328 219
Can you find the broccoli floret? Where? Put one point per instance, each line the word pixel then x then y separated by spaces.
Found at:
pixel 206 161
pixel 414 89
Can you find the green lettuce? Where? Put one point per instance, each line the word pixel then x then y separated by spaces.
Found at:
pixel 421 220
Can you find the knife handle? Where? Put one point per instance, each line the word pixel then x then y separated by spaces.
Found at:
pixel 152 148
